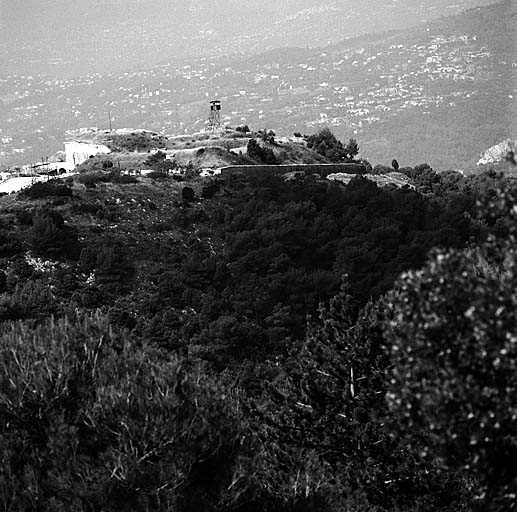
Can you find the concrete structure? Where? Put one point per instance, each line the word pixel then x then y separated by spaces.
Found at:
pixel 322 169
pixel 343 173
pixel 48 168
pixel 61 167
pixel 395 179
pixel 78 152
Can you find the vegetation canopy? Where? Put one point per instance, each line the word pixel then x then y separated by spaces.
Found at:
pixel 259 342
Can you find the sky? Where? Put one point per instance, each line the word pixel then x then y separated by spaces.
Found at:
pixel 67 37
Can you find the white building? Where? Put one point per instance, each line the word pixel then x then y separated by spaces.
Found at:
pixel 77 152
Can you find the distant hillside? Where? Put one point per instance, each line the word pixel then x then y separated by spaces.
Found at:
pixel 461 92
pixel 68 39
pixel 440 93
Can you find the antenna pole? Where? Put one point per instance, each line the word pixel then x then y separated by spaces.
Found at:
pixel 109 114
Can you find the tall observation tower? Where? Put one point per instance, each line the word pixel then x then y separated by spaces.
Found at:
pixel 214 121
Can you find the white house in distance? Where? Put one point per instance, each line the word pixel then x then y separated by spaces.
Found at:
pixel 77 152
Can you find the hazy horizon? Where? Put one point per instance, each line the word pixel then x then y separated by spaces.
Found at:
pixel 63 38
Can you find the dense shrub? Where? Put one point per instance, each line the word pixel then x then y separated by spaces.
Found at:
pixel 332 396
pixel 93 421
pixel 30 299
pixel 402 402
pixel 9 243
pixel 188 195
pixel 122 179
pixel 326 144
pixel 159 162
pixel 106 424
pixel 111 265
pixel 49 237
pixel 453 387
pixel 210 189
pixel 51 188
pixel 260 154
pixel 264 253
pixel 159 175
pixel 90 180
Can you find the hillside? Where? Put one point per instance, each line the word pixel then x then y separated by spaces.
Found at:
pixel 188 324
pixel 132 148
pixel 169 342
pixel 267 243
pixel 69 40
pixel 172 342
pixel 441 93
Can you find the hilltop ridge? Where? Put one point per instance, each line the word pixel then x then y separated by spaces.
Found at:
pixel 131 148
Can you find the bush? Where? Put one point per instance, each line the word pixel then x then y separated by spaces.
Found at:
pixel 159 175
pixel 32 299
pixel 122 179
pixel 454 352
pixel 326 144
pixel 210 189
pixel 260 154
pixel 90 180
pixel 95 421
pixel 159 162
pixel 381 169
pixel 51 188
pixel 188 195
pixel 9 244
pixel 111 265
pixel 49 237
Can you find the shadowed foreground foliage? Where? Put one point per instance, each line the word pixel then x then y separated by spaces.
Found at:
pixel 91 421
pixel 192 370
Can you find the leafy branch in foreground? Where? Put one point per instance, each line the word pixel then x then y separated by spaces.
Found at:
pixel 454 352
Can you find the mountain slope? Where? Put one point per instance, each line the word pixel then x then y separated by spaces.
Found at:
pixel 65 38
pixel 440 93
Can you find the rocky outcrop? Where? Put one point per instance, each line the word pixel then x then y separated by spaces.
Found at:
pixel 498 153
pixel 397 179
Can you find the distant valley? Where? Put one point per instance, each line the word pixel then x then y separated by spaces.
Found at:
pixel 441 93
pixel 66 39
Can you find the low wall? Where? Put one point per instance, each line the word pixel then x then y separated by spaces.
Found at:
pixel 322 169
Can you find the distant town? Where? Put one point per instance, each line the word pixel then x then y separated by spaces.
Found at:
pixel 361 88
